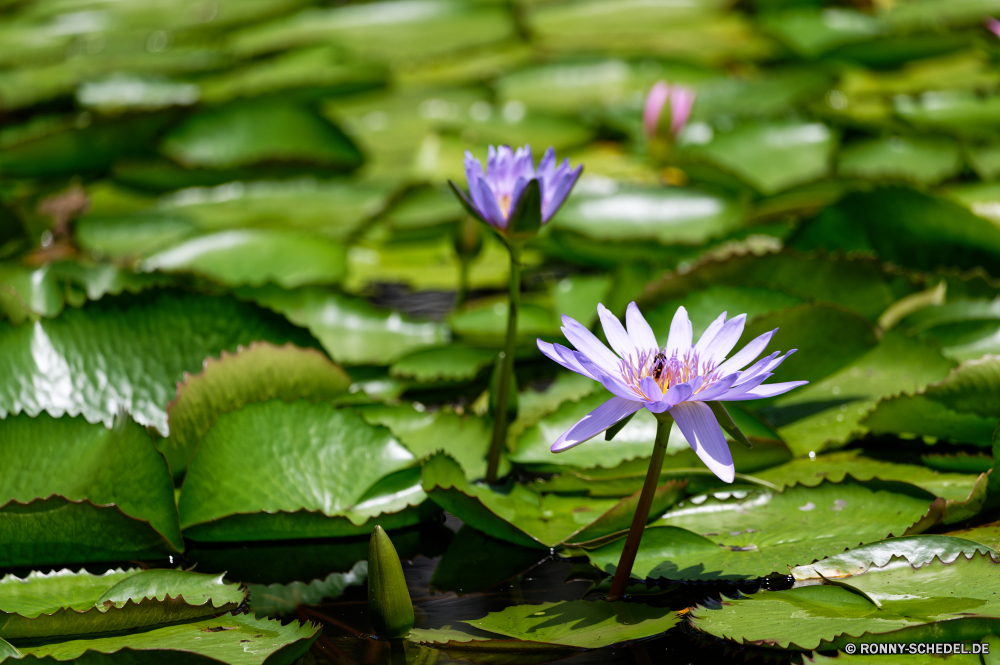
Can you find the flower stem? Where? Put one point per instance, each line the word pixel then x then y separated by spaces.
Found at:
pixel 624 571
pixel 506 370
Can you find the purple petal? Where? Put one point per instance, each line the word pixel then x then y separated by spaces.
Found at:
pixel 473 169
pixel 681 103
pixel 516 193
pixel 700 428
pixel 561 191
pixel 769 390
pixel 746 355
pixel 564 357
pixel 640 332
pixel 681 333
pixel 993 25
pixel 740 389
pixel 725 340
pixel 677 394
pixel 710 332
pixel 591 347
pixel 524 163
pixel 487 204
pixel 655 100
pixel 756 368
pixel 651 389
pixel 596 422
pixel 716 389
pixel 547 167
pixel 615 332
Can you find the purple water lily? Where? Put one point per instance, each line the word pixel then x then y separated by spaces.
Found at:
pixel 678 378
pixel 493 197
pixel 681 101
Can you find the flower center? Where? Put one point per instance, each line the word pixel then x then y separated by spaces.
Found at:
pixel 666 371
pixel 504 201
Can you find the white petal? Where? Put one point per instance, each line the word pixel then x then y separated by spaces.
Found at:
pixel 638 329
pixel 701 429
pixel 681 333
pixel 615 332
pixel 717 350
pixel 710 332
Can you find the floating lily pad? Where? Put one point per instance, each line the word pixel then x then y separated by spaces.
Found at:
pixel 465 437
pixel 351 330
pixel 238 640
pixel 76 492
pixel 282 599
pixel 923 160
pixel 255 373
pixel 927 603
pixel 916 550
pixel 520 516
pixel 85 361
pixel 485 321
pixel 237 257
pixel 28 293
pixel 257 132
pixel 277 460
pixel 448 363
pixel 666 215
pixel 769 156
pixel 579 623
pixel 67 603
pixel 763 532
pixel 475 562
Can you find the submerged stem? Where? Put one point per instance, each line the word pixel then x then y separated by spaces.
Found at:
pixel 624 571
pixel 506 370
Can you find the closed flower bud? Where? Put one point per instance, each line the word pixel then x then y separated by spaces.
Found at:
pixel 389 605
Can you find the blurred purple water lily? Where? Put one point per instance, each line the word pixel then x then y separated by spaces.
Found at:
pixel 678 378
pixel 496 197
pixel 681 100
pixel 992 25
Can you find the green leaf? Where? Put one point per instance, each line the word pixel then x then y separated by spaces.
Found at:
pixel 390 610
pixel 303 461
pixel 8 651
pixel 464 437
pixel 917 550
pixel 746 535
pixel 520 516
pixel 255 257
pixel 255 373
pixel 90 361
pixel 256 132
pixel 958 112
pixel 350 330
pixel 971 388
pixel 769 156
pixel 811 31
pixel 87 479
pixel 484 321
pixel 923 160
pixel 533 405
pixel 237 640
pixel 905 227
pixel 66 603
pixel 446 363
pixel 758 284
pixel 830 411
pixel 27 293
pixel 936 602
pixel 579 623
pixel 282 599
pixel 669 215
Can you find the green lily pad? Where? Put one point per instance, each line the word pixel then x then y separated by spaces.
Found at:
pixel 282 599
pixel 93 495
pixel 464 437
pixel 830 411
pixel 447 363
pixel 811 471
pixel 931 603
pixel 238 640
pixel 27 293
pixel 738 283
pixel 255 257
pixel 255 373
pixel 958 112
pixel 66 603
pixel 85 361
pixel 905 227
pixel 520 516
pixel 917 550
pixel 533 405
pixel 666 215
pixel 350 330
pixel 383 31
pixel 763 532
pixel 327 461
pixel 813 31
pixel 579 623
pixel 769 156
pixel 256 132
pixel 923 160
pixel 484 321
